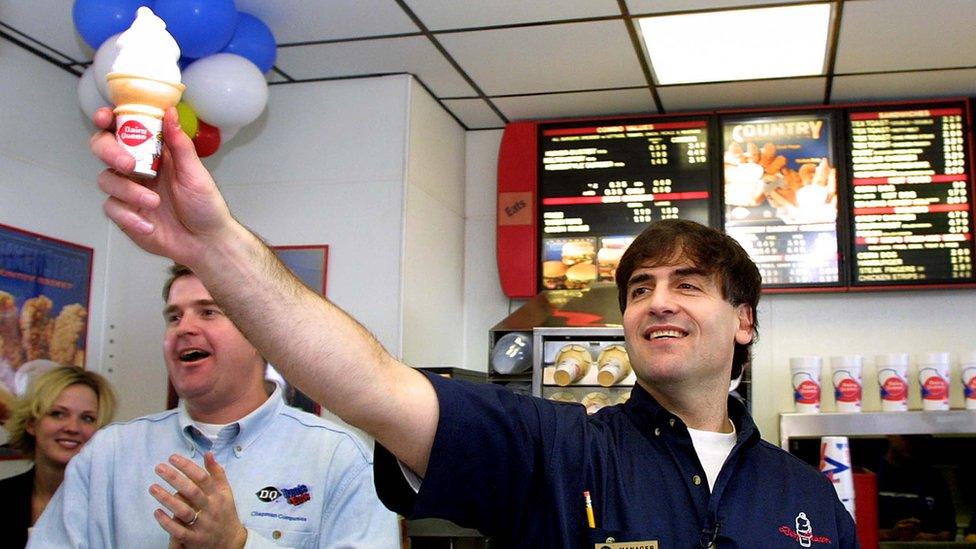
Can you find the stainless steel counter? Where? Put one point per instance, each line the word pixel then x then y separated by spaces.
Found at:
pixel 951 422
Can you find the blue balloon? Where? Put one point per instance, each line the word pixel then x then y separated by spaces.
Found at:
pixel 253 40
pixel 96 20
pixel 200 27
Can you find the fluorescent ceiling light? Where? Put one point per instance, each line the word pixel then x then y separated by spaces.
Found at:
pixel 737 44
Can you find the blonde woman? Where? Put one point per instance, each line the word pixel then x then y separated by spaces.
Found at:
pixel 61 410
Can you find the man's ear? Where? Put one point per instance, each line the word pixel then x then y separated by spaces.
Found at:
pixel 744 333
pixel 30 428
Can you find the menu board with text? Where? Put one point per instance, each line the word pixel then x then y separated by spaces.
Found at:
pixel 780 195
pixel 601 184
pixel 911 199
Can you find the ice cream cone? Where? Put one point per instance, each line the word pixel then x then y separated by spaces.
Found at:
pixel 134 94
pixel 140 104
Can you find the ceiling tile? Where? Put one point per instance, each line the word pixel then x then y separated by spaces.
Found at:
pixel 584 104
pixel 906 85
pixel 49 22
pixel 444 14
pixel 755 93
pixel 573 56
pixel 640 7
pixel 415 55
pixel 474 113
pixel 885 35
pixel 303 21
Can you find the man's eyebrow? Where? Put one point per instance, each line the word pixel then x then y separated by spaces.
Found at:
pixel 691 271
pixel 198 303
pixel 639 279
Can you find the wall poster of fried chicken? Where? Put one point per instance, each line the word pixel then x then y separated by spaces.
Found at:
pixel 780 195
pixel 45 284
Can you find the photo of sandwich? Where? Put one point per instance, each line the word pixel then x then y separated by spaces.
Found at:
pixel 580 275
pixel 554 275
pixel 578 251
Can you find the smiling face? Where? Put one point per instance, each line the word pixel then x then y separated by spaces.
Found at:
pixel 678 326
pixel 66 427
pixel 210 363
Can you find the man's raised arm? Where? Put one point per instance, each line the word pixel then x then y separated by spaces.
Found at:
pixel 315 345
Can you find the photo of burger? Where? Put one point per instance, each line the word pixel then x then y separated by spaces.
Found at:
pixel 554 275
pixel 578 251
pixel 607 260
pixel 580 275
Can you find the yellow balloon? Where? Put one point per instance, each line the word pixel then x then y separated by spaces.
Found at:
pixel 188 119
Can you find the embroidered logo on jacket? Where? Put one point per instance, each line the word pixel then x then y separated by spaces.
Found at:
pixel 803 532
pixel 294 496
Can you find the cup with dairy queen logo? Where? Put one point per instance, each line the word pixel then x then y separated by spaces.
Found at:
pixel 933 380
pixel 805 377
pixel 893 381
pixel 845 373
pixel 967 371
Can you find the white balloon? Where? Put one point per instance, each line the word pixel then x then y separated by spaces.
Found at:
pixel 102 63
pixel 225 89
pixel 88 95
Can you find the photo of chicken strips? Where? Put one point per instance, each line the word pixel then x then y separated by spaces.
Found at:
pixel 68 327
pixel 803 194
pixel 10 347
pixel 36 327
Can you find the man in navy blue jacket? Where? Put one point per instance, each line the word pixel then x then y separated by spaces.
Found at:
pixel 679 465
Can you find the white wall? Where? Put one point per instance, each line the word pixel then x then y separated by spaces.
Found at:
pixel 326 166
pixel 790 325
pixel 484 303
pixel 433 255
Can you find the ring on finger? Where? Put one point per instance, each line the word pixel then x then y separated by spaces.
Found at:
pixel 193 521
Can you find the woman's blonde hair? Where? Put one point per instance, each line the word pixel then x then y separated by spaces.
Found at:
pixel 44 390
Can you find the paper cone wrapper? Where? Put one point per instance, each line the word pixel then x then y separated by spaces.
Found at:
pixel 139 106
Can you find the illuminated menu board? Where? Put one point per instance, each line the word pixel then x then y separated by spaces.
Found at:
pixel 912 218
pixel 601 184
pixel 780 195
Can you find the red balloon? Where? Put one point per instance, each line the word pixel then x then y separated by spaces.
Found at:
pixel 207 140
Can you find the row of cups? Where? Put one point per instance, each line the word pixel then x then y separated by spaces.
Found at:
pixel 892 379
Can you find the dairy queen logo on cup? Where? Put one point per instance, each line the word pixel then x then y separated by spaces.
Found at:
pixel 808 392
pixel 142 136
pixel 133 134
pixel 893 387
pixel 848 390
pixel 935 386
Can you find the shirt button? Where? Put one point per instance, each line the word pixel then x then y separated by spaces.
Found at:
pixel 276 534
pixel 238 449
pixel 671 421
pixel 696 479
pixel 657 431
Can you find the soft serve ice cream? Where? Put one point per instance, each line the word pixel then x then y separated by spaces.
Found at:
pixel 144 82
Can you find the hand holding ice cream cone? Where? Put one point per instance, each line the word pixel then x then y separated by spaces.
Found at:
pixel 144 82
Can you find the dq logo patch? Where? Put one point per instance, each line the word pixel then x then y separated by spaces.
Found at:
pixel 294 496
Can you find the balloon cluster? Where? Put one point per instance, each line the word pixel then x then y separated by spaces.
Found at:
pixel 225 54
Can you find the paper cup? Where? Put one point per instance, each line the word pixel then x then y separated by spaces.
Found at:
pixel 967 370
pixel 933 380
pixel 805 378
pixel 845 375
pixel 893 381
pixel 835 464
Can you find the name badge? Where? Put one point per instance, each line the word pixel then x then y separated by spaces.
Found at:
pixel 612 544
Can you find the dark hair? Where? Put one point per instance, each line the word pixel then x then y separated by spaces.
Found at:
pixel 669 241
pixel 175 271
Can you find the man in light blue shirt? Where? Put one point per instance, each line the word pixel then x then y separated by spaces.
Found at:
pixel 239 468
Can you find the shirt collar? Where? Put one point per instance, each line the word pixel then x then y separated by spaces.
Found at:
pixel 648 414
pixel 247 429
